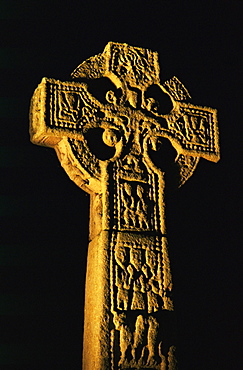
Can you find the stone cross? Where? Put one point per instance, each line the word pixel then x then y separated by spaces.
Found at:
pixel 110 148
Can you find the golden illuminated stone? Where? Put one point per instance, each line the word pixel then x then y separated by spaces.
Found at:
pixel 106 148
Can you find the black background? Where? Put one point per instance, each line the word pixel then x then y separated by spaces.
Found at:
pixel 44 216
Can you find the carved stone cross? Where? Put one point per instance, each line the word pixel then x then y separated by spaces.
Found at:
pixel 111 149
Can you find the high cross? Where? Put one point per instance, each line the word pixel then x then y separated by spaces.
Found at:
pixel 110 148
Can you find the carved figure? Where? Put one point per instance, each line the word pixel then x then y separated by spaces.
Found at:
pixel 152 338
pixel 142 209
pixel 128 202
pixel 122 279
pixel 138 342
pixel 125 335
pixel 128 282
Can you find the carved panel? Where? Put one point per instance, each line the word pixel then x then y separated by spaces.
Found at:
pixel 139 299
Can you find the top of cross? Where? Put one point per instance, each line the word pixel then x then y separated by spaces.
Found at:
pixel 65 112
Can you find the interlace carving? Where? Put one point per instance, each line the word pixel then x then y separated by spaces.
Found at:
pixel 111 149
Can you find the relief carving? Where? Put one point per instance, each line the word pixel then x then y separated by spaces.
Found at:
pixel 108 148
pixel 135 213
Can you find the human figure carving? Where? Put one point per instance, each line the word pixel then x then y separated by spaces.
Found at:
pixel 137 279
pixel 154 281
pixel 128 201
pixel 70 106
pixel 153 327
pixel 125 335
pixel 122 281
pixel 142 209
pixel 139 338
pixel 132 164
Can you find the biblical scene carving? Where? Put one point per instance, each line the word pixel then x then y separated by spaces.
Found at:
pixel 106 146
pixel 138 279
pixel 134 206
pixel 139 294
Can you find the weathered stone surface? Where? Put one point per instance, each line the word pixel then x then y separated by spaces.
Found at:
pixel 109 150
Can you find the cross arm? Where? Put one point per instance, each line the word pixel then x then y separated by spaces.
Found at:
pixel 193 130
pixel 60 109
pixel 63 111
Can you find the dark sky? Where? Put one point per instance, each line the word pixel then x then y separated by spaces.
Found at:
pixel 44 216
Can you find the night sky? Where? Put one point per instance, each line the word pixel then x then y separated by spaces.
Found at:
pixel 44 215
